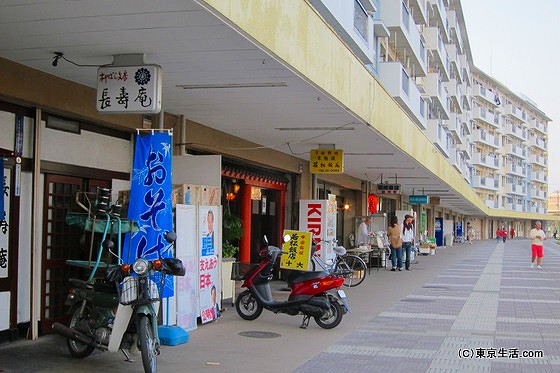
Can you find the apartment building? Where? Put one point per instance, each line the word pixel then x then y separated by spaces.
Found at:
pixel 419 50
pixel 510 148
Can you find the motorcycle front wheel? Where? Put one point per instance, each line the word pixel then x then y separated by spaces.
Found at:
pixel 332 317
pixel 81 324
pixel 247 306
pixel 148 343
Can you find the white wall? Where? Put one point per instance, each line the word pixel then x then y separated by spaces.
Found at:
pixel 87 149
pixel 197 169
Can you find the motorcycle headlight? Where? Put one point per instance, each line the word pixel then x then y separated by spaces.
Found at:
pixel 141 266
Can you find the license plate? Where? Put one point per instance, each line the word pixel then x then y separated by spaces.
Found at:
pixel 341 293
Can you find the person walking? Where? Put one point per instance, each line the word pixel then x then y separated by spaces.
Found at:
pixel 470 233
pixel 407 231
pixel 395 243
pixel 537 237
pixel 498 235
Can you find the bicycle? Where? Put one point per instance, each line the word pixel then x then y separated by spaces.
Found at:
pixel 349 266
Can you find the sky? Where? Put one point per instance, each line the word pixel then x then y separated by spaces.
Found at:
pixel 518 43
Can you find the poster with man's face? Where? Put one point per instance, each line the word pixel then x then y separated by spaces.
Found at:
pixel 208 262
pixel 207 229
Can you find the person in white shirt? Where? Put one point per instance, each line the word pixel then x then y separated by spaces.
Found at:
pixel 537 237
pixel 407 235
pixel 363 232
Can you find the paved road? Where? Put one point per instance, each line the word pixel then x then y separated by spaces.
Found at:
pixel 481 300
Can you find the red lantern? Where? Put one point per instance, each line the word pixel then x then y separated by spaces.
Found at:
pixel 372 203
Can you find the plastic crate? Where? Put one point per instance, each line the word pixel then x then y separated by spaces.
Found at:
pixel 240 270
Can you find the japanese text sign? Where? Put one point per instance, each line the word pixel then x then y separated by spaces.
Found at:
pixel 129 89
pixel 298 250
pixel 326 161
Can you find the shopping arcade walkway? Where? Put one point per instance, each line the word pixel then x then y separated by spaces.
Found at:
pixel 481 296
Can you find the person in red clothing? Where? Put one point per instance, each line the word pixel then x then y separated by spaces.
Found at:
pixel 512 233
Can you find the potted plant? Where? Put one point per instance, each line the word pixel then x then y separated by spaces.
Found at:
pixel 232 230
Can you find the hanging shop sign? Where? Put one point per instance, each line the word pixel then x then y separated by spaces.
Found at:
pixel 326 161
pixel 418 200
pixel 129 89
pixel 388 188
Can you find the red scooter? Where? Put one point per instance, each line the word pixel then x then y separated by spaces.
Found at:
pixel 313 294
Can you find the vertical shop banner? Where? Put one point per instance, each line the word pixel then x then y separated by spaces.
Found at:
pixel 4 216
pixel 150 200
pixel 298 250
pixel 208 263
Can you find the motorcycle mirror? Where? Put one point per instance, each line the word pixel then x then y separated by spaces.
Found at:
pixel 287 238
pixel 108 244
pixel 171 237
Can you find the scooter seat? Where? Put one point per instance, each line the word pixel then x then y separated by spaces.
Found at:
pixel 296 277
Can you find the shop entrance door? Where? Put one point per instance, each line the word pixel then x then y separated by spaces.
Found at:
pixel 264 221
pixel 61 242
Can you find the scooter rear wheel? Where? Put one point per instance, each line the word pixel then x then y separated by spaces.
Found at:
pixel 247 306
pixel 148 343
pixel 332 317
pixel 81 324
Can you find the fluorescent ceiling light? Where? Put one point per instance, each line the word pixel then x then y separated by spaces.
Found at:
pixel 389 168
pixel 315 128
pixel 233 85
pixel 366 154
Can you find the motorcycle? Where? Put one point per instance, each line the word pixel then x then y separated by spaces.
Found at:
pixel 314 294
pixel 119 313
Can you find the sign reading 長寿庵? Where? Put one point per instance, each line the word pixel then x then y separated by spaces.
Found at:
pixel 129 89
pixel 326 161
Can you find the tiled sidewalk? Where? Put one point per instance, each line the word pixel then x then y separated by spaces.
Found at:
pixel 481 315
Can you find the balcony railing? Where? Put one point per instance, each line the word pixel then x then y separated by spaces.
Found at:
pixel 537 125
pixel 438 136
pixel 405 34
pixel 513 130
pixel 486 116
pixel 486 94
pixel 538 177
pixel 484 182
pixel 436 45
pixel 516 150
pixel 538 160
pixel 485 138
pixel 486 160
pixel 515 112
pixel 434 87
pixel 441 14
pixel 537 142
pixel 538 194
pixel 404 89
pixel 516 189
pixel 515 169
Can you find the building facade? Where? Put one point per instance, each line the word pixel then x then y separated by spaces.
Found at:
pixel 397 74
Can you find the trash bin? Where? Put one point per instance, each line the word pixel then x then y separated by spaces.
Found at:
pixel 448 239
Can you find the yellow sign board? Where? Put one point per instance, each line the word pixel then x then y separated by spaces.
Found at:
pixel 298 250
pixel 326 161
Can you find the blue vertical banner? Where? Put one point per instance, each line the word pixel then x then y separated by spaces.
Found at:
pixel 150 200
